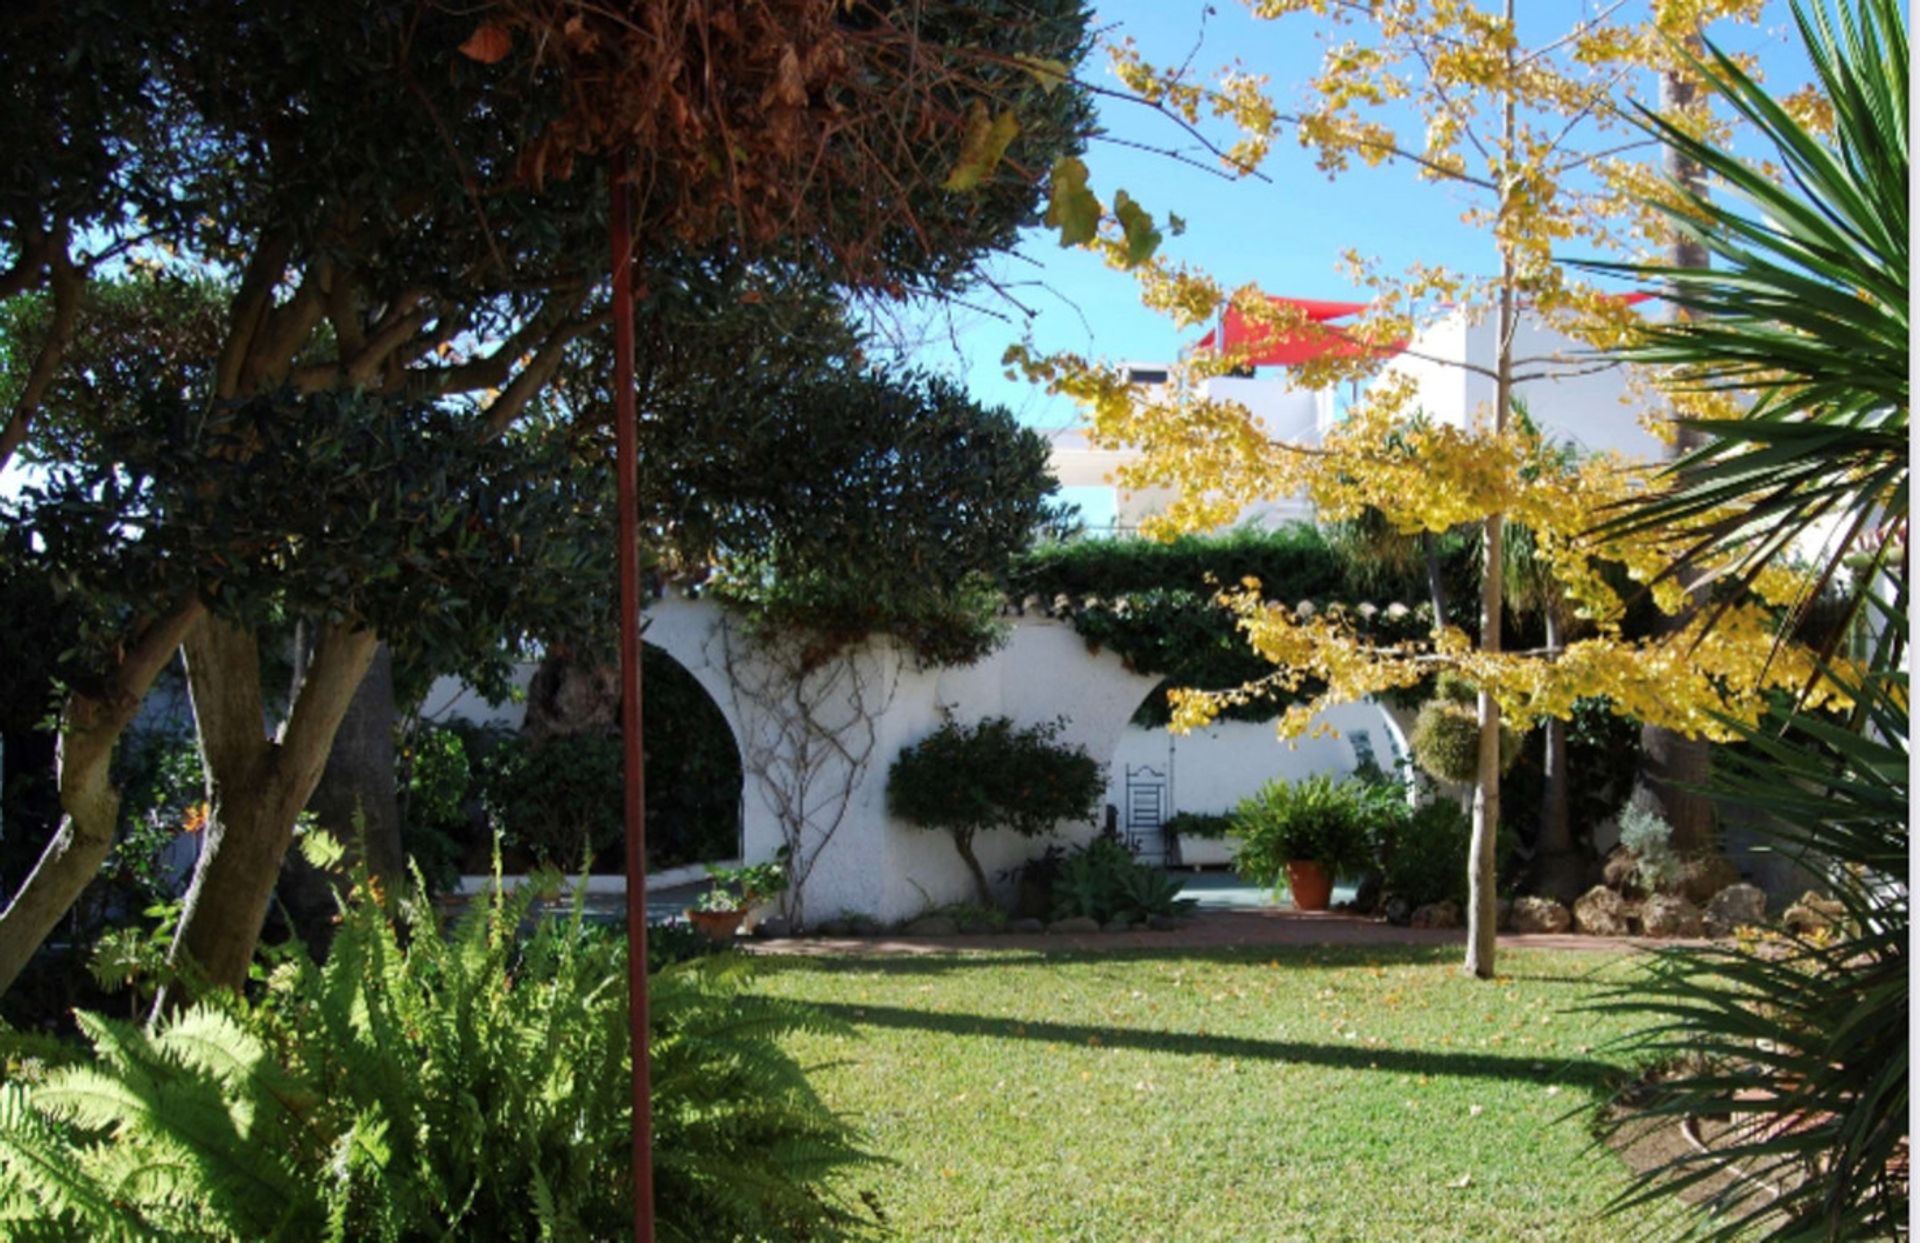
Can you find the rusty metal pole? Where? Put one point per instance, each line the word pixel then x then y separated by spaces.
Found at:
pixel 626 465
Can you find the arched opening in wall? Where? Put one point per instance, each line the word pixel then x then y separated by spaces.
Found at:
pixel 547 779
pixel 694 779
pixel 1155 775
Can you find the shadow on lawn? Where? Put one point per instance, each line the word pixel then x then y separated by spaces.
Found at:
pixel 1303 957
pixel 1589 1073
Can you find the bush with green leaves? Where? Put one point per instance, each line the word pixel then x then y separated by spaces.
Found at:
pixel 1102 881
pixel 559 800
pixel 1210 825
pixel 1421 852
pixel 1316 818
pixel 1153 603
pixel 967 779
pixel 421 1084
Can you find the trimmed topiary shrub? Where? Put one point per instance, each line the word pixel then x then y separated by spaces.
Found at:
pixel 964 779
pixel 1446 734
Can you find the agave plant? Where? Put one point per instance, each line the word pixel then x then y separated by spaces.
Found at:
pixel 1800 1042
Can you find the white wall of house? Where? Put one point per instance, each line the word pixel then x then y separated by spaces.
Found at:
pixel 1585 405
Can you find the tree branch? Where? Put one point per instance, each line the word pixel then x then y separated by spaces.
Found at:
pixel 251 303
pixel 35 248
pixel 69 282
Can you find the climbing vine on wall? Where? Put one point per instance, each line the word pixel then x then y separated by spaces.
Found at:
pixel 1153 603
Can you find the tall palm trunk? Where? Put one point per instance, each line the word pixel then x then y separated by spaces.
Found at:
pixel 1674 767
pixel 1559 871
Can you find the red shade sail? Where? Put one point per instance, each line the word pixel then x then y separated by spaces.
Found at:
pixel 1264 346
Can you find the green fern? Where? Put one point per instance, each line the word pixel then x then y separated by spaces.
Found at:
pixel 430 1082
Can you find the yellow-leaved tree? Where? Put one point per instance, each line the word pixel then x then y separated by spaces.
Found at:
pixel 1541 140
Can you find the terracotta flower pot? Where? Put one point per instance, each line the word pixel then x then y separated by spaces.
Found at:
pixel 719 925
pixel 1311 885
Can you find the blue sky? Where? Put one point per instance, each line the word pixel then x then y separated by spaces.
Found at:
pixel 1287 233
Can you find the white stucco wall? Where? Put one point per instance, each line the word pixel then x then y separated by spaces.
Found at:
pixel 875 865
pixel 1212 769
pixel 1590 410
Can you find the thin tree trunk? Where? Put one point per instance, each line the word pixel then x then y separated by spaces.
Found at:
pixel 1482 915
pixel 963 842
pixel 1436 586
pixel 90 728
pixel 1669 761
pixel 256 786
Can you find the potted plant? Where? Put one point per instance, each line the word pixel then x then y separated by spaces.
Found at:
pixel 734 893
pixel 1305 832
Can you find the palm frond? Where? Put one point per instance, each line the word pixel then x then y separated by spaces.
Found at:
pixel 1805 309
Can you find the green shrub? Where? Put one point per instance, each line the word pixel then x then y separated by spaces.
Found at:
pixel 1316 819
pixel 968 778
pixel 439 775
pixel 1422 853
pixel 558 800
pixel 422 1084
pixel 1203 824
pixel 1103 881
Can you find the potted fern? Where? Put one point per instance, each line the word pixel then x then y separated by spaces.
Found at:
pixel 1303 832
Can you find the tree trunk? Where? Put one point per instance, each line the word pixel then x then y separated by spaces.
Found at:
pixel 1436 586
pixel 1670 761
pixel 1483 918
pixel 256 786
pixel 1559 872
pixel 963 842
pixel 357 801
pixel 569 694
pixel 90 728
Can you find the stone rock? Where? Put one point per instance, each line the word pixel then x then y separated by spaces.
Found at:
pixel 1028 926
pixel 1538 915
pixel 1665 915
pixel 1436 915
pixel 1503 915
pixel 1076 923
pixel 1812 913
pixel 1399 912
pixel 932 926
pixel 1119 923
pixel 1736 906
pixel 1601 912
pixel 1702 876
pixel 1621 871
pixel 1165 923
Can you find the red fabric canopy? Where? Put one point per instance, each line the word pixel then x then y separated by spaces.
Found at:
pixel 1265 347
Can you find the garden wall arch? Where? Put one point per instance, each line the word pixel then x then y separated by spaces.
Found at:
pixel 866 862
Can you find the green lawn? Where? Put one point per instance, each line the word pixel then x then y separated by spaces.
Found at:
pixel 1222 1094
